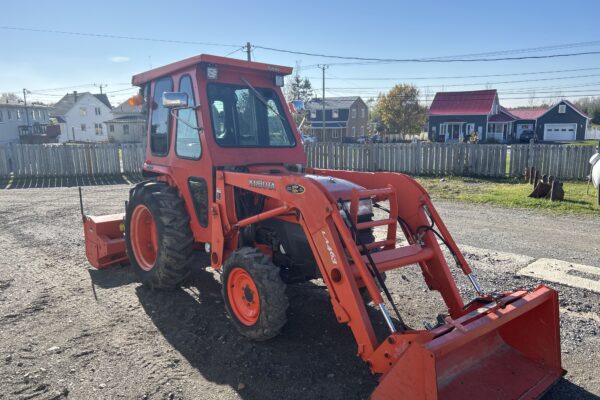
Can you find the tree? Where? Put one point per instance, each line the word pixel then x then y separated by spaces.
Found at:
pixel 9 98
pixel 299 88
pixel 399 110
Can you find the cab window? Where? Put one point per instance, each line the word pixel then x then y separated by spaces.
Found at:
pixel 187 143
pixel 159 128
pixel 241 117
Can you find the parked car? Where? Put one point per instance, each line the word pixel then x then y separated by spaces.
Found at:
pixel 362 139
pixel 526 136
pixel 376 138
pixel 308 139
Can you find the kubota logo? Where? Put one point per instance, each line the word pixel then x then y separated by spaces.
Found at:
pixel 329 248
pixel 261 184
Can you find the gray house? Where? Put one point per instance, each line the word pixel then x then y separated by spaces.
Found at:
pixel 128 124
pixel 25 124
pixel 346 118
pixel 454 116
pixel 563 121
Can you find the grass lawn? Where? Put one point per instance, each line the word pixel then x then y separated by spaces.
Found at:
pixel 512 194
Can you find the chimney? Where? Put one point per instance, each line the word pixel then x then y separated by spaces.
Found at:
pixel 75 95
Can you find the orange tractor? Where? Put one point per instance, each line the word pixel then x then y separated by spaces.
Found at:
pixel 227 175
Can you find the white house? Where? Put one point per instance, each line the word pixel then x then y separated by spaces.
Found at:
pixel 82 116
pixel 18 120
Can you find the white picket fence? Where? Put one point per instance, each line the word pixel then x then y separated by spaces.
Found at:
pixel 421 158
pixel 486 160
pixel 592 133
pixel 133 156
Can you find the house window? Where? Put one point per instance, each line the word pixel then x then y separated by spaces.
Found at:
pixel 98 129
pixel 125 129
pixel 8 115
pixel 562 109
pixel 111 127
pixel 362 130
pixel 363 112
pixel 334 134
pixel 353 113
pixel 354 131
pixel 97 111
pixel 335 113
pixel 18 114
pixel 82 111
pixel 1 116
pixel 313 114
pixel 33 115
pixel 83 127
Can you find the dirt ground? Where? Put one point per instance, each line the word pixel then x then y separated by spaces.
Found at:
pixel 69 331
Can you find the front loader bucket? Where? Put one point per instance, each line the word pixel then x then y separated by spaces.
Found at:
pixel 492 353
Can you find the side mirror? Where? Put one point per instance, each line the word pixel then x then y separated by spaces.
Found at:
pixel 174 99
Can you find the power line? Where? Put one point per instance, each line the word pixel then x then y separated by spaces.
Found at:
pixel 423 60
pixel 460 76
pixel 110 36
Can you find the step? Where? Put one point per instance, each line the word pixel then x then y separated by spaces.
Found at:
pixel 386 260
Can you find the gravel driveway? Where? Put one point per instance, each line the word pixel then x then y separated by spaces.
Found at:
pixel 68 331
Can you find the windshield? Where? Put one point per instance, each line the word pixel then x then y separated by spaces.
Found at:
pixel 241 119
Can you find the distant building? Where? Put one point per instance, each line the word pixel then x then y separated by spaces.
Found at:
pixel 453 116
pixel 81 117
pixel 24 124
pixel 561 122
pixel 346 118
pixel 128 124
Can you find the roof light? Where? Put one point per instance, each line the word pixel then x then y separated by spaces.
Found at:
pixel 279 80
pixel 212 72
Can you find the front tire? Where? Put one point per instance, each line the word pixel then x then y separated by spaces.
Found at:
pixel 254 294
pixel 158 235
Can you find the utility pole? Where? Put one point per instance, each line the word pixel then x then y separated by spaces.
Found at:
pixel 25 91
pixel 101 85
pixel 249 51
pixel 323 67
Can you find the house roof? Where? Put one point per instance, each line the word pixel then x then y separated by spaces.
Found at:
pixel 332 103
pixel 68 101
pixel 501 117
pixel 528 113
pixel 575 108
pixel 475 102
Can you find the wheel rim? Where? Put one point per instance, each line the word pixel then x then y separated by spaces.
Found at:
pixel 144 239
pixel 243 296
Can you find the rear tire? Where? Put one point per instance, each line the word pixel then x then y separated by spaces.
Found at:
pixel 158 235
pixel 254 294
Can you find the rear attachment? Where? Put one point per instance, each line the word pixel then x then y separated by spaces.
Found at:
pixel 104 242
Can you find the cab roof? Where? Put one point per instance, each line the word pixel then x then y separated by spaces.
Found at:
pixel 169 69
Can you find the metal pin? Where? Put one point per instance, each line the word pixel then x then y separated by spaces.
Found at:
pixel 386 316
pixel 475 284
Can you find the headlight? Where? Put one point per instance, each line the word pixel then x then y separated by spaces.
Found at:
pixel 365 206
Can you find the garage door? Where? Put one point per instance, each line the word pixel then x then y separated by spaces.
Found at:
pixel 560 131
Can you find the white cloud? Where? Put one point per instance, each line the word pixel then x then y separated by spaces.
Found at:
pixel 119 59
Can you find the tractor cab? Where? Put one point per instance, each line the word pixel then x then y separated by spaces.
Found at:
pixel 227 111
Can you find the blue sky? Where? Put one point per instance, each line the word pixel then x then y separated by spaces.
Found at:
pixel 396 29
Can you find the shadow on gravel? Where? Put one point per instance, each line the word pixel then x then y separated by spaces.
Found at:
pixel 314 357
pixel 115 276
pixel 565 389
pixel 53 182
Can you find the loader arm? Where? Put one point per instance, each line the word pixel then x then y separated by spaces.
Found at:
pixel 446 362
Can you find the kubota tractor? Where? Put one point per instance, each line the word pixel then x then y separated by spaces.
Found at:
pixel 227 174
